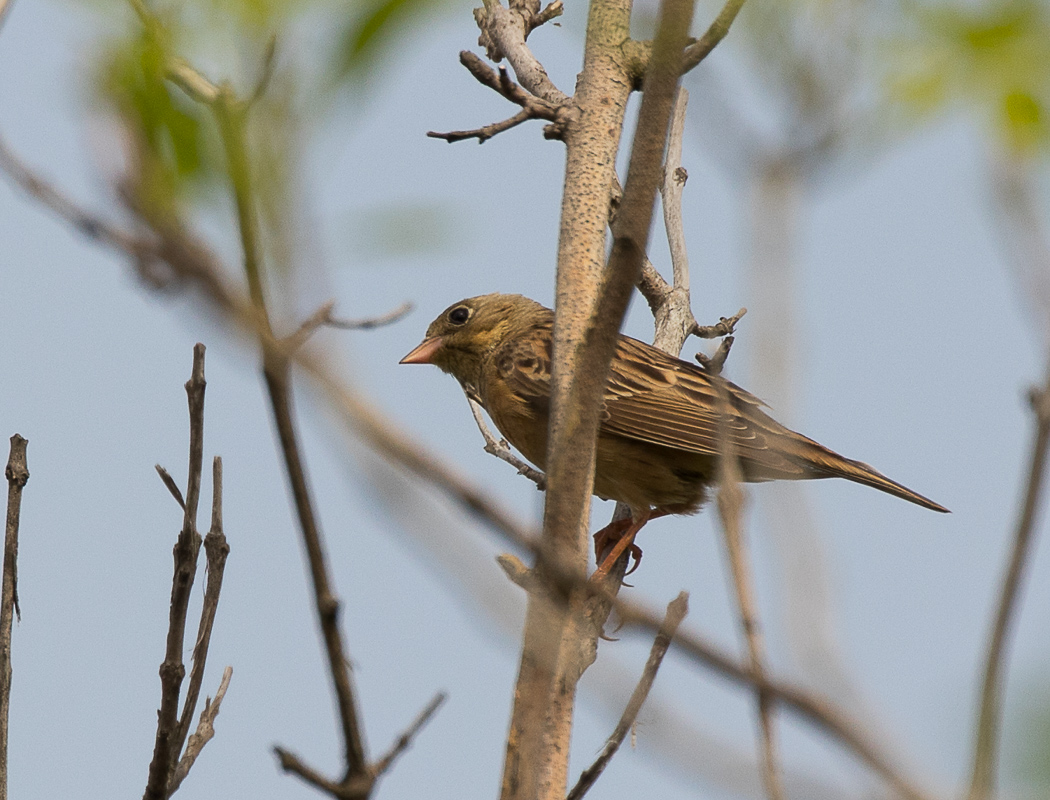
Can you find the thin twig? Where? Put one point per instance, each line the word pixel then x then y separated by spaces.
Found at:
pixel 715 363
pixel 676 611
pixel 531 107
pixel 204 733
pixel 403 742
pixel 986 746
pixel 717 31
pixel 216 550
pixel 730 511
pixel 17 473
pixel 367 323
pixel 232 121
pixel 322 317
pixel 168 744
pixel 726 326
pixel 501 449
pixel 172 487
pixel 486 132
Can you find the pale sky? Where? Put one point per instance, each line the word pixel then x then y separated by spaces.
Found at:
pixel 915 357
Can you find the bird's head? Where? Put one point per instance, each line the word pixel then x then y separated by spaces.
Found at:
pixel 466 332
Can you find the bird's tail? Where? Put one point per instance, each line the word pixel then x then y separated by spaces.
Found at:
pixel 825 463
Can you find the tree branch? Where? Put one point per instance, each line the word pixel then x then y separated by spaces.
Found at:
pixel 676 611
pixel 986 746
pixel 531 107
pixel 204 733
pixel 717 31
pixel 17 473
pixel 216 549
pixel 730 510
pixel 168 744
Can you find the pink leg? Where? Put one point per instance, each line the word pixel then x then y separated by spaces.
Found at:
pixel 623 531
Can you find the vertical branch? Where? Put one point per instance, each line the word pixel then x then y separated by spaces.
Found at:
pixel 540 723
pixel 590 304
pixel 986 746
pixel 730 508
pixel 232 120
pixel 172 670
pixel 17 474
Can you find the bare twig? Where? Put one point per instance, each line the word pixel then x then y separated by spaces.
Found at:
pixel 204 733
pixel 403 742
pixel 367 323
pixel 216 550
pixel 503 34
pixel 501 449
pixel 730 511
pixel 486 132
pixel 717 31
pixel 359 786
pixel 168 744
pixel 322 317
pixel 172 487
pixel 676 611
pixel 715 363
pixel 986 746
pixel 531 107
pixel 276 375
pixel 724 327
pixel 17 473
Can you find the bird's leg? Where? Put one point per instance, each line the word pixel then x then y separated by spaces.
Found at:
pixel 621 532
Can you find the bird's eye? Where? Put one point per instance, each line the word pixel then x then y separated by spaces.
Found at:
pixel 459 315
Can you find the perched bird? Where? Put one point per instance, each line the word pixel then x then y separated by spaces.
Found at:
pixel 658 441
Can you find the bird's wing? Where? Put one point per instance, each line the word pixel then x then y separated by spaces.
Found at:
pixel 654 397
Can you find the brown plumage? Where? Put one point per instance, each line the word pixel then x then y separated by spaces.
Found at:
pixel 657 445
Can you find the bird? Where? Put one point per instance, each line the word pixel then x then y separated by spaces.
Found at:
pixel 658 445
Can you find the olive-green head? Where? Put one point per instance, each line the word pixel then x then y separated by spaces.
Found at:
pixel 465 333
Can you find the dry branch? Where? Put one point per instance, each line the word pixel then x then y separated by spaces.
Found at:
pixel 676 611
pixel 986 746
pixel 168 745
pixel 730 511
pixel 17 473
pixel 531 107
pixel 168 759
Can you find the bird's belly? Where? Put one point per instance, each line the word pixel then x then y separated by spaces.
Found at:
pixel 648 476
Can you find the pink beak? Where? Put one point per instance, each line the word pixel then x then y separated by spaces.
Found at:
pixel 424 352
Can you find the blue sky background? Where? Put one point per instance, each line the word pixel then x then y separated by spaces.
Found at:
pixel 914 355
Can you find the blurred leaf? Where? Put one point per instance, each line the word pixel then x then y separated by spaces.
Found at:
pixel 409 229
pixel 168 128
pixel 369 34
pixel 993 60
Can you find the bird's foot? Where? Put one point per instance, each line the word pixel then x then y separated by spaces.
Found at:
pixel 611 542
